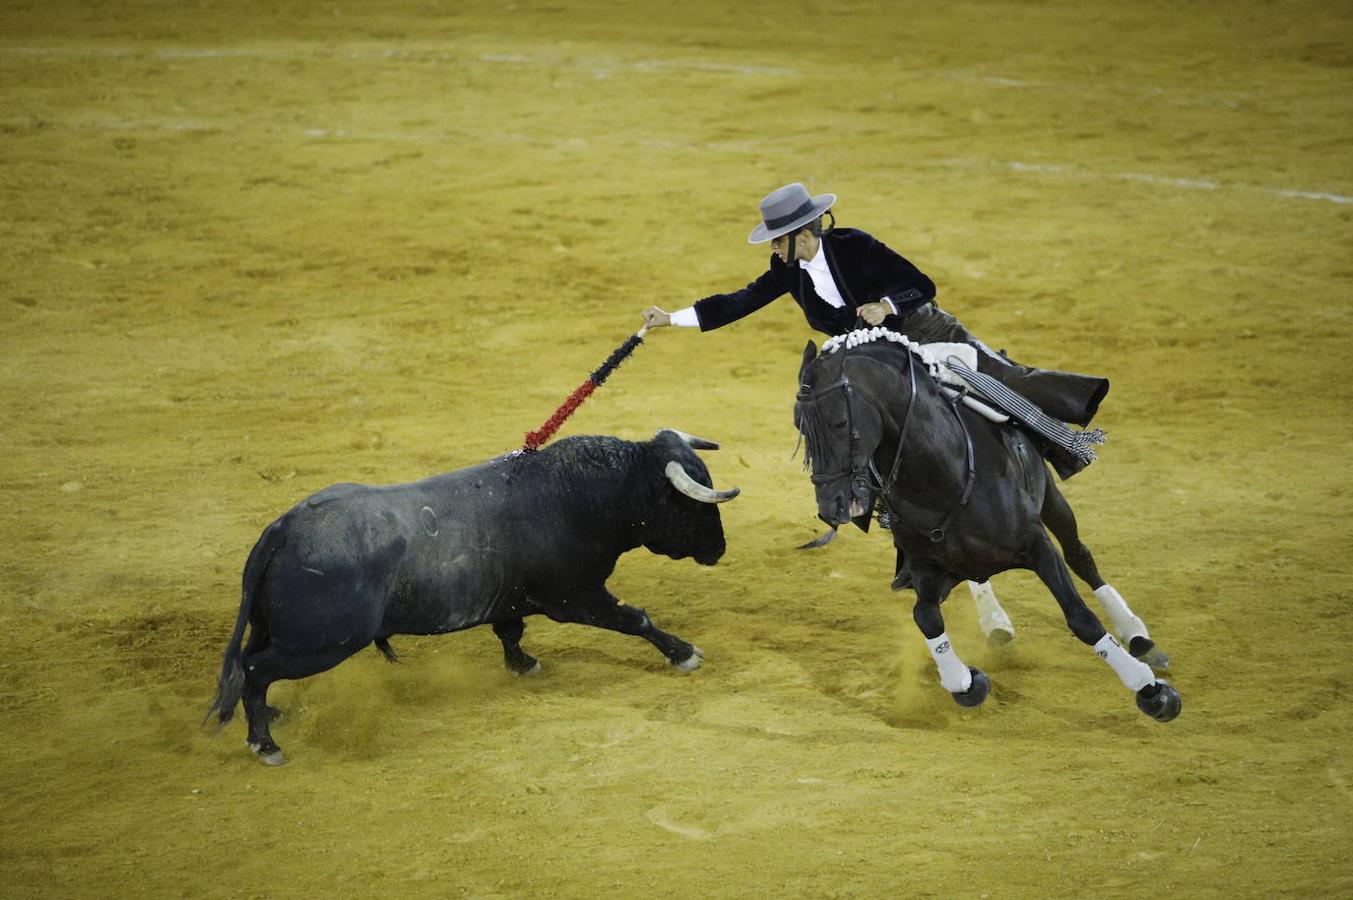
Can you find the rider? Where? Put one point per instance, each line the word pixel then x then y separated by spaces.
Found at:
pixel 839 276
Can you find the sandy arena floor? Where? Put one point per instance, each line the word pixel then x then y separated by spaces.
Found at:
pixel 251 249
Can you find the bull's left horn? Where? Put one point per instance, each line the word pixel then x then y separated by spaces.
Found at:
pixel 682 481
pixel 690 440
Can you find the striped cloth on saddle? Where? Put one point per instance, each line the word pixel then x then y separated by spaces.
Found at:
pixel 1080 444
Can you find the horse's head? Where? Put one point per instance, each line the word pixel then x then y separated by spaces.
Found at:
pixel 841 429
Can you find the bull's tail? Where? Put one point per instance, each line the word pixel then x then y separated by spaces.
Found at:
pixel 230 684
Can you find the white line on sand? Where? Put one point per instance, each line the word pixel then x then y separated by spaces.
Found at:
pixel 587 63
pixel 575 143
pixel 1197 184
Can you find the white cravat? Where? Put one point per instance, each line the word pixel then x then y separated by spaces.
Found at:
pixel 823 282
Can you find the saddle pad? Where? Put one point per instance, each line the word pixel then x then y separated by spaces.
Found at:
pixel 940 352
pixel 966 354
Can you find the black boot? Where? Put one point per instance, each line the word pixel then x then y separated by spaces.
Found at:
pixel 902 580
pixel 1063 462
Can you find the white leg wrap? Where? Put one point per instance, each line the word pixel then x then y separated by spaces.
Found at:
pixel 1134 674
pixel 1125 623
pixel 953 674
pixel 989 613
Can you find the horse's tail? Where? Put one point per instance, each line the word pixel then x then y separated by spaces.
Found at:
pixel 230 684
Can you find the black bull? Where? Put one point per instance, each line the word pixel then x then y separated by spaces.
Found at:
pixel 523 534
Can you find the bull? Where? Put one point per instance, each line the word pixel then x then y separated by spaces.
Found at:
pixel 523 534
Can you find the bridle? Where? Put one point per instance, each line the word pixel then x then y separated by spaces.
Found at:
pixel 863 480
pixel 859 478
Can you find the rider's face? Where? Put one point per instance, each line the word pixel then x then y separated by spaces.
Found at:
pixel 805 246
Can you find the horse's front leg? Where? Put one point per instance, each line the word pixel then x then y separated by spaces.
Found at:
pixel 1155 697
pixel 995 624
pixel 969 686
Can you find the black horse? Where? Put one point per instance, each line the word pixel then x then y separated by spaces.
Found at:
pixel 967 499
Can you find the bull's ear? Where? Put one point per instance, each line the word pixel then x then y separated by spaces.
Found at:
pixel 809 353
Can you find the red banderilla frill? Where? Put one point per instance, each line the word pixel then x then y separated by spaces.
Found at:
pixel 534 439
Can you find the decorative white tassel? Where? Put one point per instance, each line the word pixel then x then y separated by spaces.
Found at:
pixel 852 339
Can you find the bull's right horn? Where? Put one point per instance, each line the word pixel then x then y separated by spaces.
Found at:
pixel 690 440
pixel 682 481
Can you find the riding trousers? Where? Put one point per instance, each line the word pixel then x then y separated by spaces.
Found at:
pixel 1063 395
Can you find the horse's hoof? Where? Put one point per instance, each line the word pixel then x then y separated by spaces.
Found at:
pixel 274 758
pixel 1159 701
pixel 821 540
pixel 1145 649
pixel 999 637
pixel 532 669
pixel 977 691
pixel 692 662
pixel 271 757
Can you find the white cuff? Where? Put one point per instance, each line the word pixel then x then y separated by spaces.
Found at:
pixel 889 301
pixel 686 318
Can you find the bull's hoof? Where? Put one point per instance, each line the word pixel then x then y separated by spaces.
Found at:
pixel 1145 649
pixel 692 662
pixel 526 665
pixel 976 692
pixel 1159 701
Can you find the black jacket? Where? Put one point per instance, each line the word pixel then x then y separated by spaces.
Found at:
pixel 865 270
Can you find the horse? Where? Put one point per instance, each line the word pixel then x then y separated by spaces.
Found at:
pixel 967 498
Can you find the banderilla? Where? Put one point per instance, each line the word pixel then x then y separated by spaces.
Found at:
pixel 534 439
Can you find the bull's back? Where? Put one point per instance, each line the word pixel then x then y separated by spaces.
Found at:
pixel 426 557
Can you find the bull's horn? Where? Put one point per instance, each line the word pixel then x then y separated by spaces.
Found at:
pixel 690 440
pixel 682 481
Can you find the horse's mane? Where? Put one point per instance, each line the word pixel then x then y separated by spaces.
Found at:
pixel 814 436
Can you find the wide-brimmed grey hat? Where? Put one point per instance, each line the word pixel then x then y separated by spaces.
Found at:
pixel 786 209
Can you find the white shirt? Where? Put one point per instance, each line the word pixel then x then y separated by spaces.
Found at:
pixel 823 283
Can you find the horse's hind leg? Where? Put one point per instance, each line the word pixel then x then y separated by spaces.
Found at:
pixel 1061 521
pixel 1154 697
pixel 968 685
pixel 996 625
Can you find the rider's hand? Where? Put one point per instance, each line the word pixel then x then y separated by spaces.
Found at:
pixel 656 318
pixel 874 313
